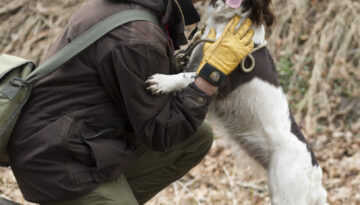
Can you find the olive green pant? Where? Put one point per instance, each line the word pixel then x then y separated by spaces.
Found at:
pixel 151 172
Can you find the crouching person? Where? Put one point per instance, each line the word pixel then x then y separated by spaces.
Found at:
pixel 91 133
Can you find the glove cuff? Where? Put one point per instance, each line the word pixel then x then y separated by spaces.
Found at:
pixel 212 75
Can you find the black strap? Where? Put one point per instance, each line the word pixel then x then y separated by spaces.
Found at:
pixel 88 38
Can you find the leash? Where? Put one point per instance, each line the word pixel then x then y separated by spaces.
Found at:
pixel 183 56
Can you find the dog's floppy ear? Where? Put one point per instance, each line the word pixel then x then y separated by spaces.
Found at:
pixel 213 2
pixel 261 12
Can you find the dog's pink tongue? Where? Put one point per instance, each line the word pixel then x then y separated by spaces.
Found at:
pixel 233 3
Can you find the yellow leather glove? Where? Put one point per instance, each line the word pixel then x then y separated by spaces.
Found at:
pixel 224 55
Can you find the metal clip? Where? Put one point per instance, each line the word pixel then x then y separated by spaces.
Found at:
pixel 183 56
pixel 18 82
pixel 251 58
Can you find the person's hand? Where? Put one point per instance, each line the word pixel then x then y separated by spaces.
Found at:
pixel 224 55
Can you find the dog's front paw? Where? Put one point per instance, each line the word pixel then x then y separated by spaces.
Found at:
pixel 159 84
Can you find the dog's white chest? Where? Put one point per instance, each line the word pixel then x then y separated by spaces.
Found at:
pixel 254 106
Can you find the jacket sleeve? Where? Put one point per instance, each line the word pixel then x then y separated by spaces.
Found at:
pixel 160 121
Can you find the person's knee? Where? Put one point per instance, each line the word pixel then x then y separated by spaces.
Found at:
pixel 204 138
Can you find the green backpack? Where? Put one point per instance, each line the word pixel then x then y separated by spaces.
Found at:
pixel 17 75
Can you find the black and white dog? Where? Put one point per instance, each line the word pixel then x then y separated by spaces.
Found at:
pixel 254 110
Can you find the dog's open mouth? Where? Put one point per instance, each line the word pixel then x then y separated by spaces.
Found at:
pixel 220 9
pixel 233 3
pixel 226 9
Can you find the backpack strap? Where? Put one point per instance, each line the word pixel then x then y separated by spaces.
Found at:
pixel 88 38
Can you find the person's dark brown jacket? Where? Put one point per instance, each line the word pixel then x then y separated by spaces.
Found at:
pixel 73 134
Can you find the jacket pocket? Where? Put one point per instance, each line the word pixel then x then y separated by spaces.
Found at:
pixel 105 151
pixel 112 156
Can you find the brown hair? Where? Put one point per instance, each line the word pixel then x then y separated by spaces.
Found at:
pixel 261 12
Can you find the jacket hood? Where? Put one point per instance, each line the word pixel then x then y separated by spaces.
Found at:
pixel 155 5
pixel 175 14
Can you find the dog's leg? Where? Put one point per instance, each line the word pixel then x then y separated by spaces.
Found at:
pixel 161 83
pixel 294 176
pixel 256 116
